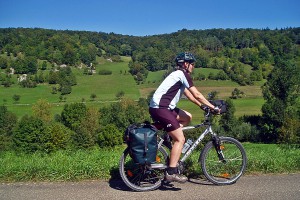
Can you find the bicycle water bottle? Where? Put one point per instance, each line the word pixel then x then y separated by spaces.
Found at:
pixel 187 145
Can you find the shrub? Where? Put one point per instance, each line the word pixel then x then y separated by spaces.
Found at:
pixel 58 137
pixel 109 136
pixel 123 113
pixel 28 135
pixel 289 133
pixel 83 121
pixel 73 114
pixel 105 72
pixel 8 121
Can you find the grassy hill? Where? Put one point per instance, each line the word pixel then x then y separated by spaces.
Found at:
pixel 107 86
pixel 104 86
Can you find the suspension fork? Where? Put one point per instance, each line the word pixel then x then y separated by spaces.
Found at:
pixel 217 144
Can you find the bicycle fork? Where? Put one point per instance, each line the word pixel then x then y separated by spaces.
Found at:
pixel 217 144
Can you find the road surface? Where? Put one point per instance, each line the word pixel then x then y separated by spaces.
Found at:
pixel 273 187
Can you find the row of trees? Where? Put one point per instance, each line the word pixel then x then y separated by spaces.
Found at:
pixel 81 127
pixel 76 127
pixel 227 49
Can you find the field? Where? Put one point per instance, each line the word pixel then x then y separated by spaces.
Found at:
pixel 105 87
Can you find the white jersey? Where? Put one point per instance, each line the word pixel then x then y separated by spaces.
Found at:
pixel 170 90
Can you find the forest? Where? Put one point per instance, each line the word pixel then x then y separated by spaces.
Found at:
pixel 272 55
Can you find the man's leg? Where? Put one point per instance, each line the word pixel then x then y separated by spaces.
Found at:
pixel 172 171
pixel 184 117
pixel 178 139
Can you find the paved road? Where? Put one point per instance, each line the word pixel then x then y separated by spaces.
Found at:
pixel 273 187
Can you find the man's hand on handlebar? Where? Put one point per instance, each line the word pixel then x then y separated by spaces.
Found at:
pixel 216 109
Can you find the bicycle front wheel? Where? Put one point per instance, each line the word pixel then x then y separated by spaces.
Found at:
pixel 143 177
pixel 228 169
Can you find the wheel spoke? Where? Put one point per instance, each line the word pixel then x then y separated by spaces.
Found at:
pixel 142 177
pixel 225 171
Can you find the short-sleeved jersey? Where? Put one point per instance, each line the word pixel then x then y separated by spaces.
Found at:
pixel 170 90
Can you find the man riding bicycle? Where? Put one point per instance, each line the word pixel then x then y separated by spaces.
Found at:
pixel 163 108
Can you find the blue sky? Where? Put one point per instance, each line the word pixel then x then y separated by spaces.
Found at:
pixel 148 17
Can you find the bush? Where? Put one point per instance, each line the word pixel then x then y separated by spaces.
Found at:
pixel 73 114
pixel 58 137
pixel 28 136
pixel 109 136
pixel 245 132
pixel 83 121
pixel 83 138
pixel 8 121
pixel 105 72
pixel 289 133
pixel 124 113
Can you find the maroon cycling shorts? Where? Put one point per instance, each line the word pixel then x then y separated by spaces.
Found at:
pixel 166 117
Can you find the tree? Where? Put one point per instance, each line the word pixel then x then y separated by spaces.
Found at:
pixel 69 55
pixel 228 120
pixel 16 97
pixel 281 93
pixel 93 96
pixel 236 93
pixel 73 114
pixel 58 137
pixel 109 136
pixel 3 62
pixel 28 135
pixel 42 110
pixel 44 65
pixel 120 94
pixel 25 65
pixel 123 113
pixel 83 121
pixel 8 121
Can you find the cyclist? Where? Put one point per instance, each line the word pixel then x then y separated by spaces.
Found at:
pixel 163 108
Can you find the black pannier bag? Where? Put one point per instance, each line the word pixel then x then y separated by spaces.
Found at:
pixel 142 142
pixel 221 104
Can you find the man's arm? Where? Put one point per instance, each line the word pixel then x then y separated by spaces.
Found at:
pixel 198 96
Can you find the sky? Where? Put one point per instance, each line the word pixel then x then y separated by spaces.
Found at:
pixel 148 17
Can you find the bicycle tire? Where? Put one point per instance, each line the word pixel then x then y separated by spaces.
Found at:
pixel 228 171
pixel 140 177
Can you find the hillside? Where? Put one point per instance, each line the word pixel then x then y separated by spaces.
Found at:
pixel 105 87
pixel 239 58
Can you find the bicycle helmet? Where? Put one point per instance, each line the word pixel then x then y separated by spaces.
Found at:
pixel 185 57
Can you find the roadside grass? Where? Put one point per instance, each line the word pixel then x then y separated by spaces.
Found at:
pixel 103 163
pixel 261 159
pixel 59 166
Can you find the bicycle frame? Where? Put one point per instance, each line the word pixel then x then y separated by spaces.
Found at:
pixel 207 131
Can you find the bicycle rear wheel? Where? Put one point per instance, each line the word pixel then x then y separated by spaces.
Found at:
pixel 143 177
pixel 224 171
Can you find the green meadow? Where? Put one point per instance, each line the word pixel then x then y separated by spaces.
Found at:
pixel 106 87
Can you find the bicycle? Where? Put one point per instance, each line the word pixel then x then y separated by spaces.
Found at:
pixel 223 160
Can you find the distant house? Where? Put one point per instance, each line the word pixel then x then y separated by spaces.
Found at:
pixel 12 70
pixel 23 77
